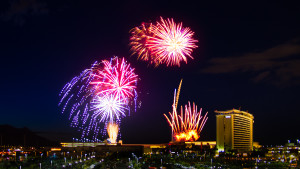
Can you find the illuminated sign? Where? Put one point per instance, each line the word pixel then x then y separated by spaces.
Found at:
pixel 55 149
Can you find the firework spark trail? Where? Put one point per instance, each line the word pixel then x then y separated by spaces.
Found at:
pixel 76 91
pixel 177 96
pixel 75 120
pixel 188 125
pixel 67 103
pixel 85 114
pixel 135 99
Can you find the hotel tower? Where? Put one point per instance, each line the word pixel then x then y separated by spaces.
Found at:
pixel 234 131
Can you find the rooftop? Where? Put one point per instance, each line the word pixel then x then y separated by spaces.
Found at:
pixel 234 111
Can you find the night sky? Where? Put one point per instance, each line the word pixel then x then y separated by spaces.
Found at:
pixel 248 58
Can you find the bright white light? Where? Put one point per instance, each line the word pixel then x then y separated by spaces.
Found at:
pixel 108 108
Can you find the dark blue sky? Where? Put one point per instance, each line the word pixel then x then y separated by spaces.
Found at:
pixel 248 58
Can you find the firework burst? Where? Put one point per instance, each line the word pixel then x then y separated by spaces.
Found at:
pixel 100 95
pixel 139 42
pixel 163 43
pixel 172 43
pixel 117 79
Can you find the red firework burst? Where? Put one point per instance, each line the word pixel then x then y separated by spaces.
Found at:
pixel 139 42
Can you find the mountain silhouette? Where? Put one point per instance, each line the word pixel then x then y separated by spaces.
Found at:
pixel 10 135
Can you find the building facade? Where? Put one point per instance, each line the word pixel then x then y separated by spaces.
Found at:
pixel 234 131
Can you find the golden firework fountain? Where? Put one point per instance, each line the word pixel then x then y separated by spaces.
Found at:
pixel 187 125
pixel 112 130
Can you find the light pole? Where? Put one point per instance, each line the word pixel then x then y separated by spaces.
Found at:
pixel 257 160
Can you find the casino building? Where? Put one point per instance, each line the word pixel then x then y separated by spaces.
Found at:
pixel 234 131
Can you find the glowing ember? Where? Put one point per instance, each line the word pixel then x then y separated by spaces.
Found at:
pixel 191 135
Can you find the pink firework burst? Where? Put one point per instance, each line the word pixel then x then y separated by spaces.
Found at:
pixel 172 43
pixel 117 78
